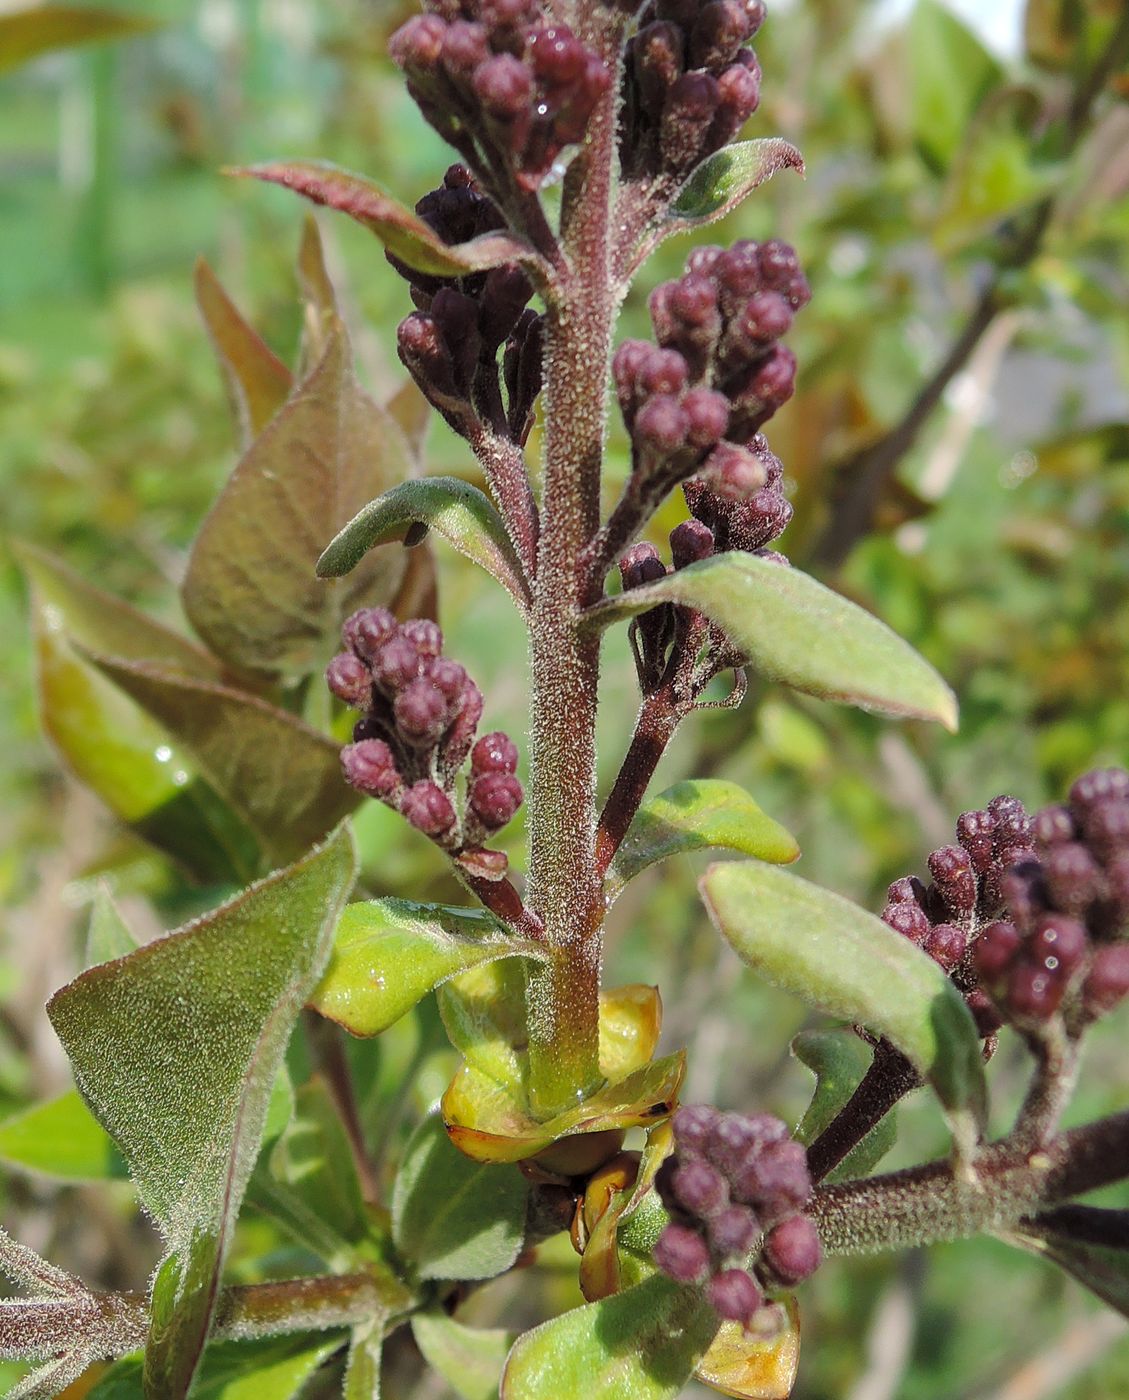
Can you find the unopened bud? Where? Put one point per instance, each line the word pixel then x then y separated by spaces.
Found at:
pixel 348 678
pixel 428 808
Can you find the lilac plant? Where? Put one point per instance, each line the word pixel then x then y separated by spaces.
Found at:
pixel 694 1233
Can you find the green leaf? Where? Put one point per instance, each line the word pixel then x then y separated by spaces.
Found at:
pixel 692 816
pixel 108 936
pixel 950 72
pixel 362 1376
pixel 722 181
pixel 389 953
pixel 279 775
pixel 452 1217
pixel 108 743
pixel 461 513
pixel 251 591
pixel 642 1344
pixel 1089 1243
pixel 483 1013
pixel 257 381
pixel 849 964
pixel 839 1060
pixel 404 234
pixel 793 629
pixel 29 30
pixel 470 1359
pixel 269 1368
pixel 176 1049
pixel 61 1139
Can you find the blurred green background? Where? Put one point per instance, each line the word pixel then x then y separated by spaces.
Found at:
pixel 1000 547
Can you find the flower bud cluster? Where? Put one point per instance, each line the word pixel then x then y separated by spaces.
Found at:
pixel 450 343
pixel 1064 937
pixel 690 83
pixel 734 1184
pixel 420 712
pixel 502 78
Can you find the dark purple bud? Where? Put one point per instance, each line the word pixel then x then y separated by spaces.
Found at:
pixel 424 353
pixel 755 11
pixel 641 564
pixel 503 299
pixel 504 86
pixel 698 1188
pixel 738 97
pixel 428 808
pixel 775 1180
pixel 1106 826
pixel 370 767
pixel 494 798
pixel 690 542
pixel 735 1296
pixel 703 261
pixel 682 1254
pixel 951 868
pixel 693 300
pixel 974 832
pixel 366 631
pixel 1098 785
pixel 1072 876
pixel 465 48
pixel 1054 826
pixel 766 316
pixel 719 31
pixel 735 1136
pixel 908 889
pixel 984 1012
pixel 693 1124
pixel 627 364
pixel 658 63
pixel 494 753
pixel 448 678
pixel 662 372
pixel 994 950
pixel 348 678
pixel 661 425
pixel 460 734
pixel 738 274
pixel 909 919
pixel 424 635
pixel 1033 992
pixel 780 268
pixel 417 44
pixel 396 664
pixel 707 413
pixel 734 472
pixel 733 1231
pixel 557 55
pixel 946 944
pixel 688 114
pixel 1023 892
pixel 1058 943
pixel 1108 980
pixel 792 1250
pixel 1013 826
pixel 422 714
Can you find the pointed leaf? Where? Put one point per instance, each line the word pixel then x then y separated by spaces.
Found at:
pixel 198 1023
pixel 692 816
pixel 61 1139
pixel 839 1060
pixel 454 1218
pixel 108 936
pixel 404 234
pixel 793 629
pixel 950 71
pixel 483 1013
pixel 849 964
pixel 251 590
pixel 29 30
pixel 1089 1243
pixel 257 381
pixel 729 176
pixel 389 953
pixel 642 1344
pixel 268 1368
pixel 489 1123
pixel 281 777
pixel 470 1359
pixel 630 1025
pixel 362 1376
pixel 461 513
pixel 748 1367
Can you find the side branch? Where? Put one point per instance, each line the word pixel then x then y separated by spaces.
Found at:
pixel 503 463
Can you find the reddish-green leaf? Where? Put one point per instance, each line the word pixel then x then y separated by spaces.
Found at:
pixel 722 181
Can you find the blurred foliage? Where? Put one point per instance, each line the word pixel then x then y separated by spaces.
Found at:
pixel 1001 549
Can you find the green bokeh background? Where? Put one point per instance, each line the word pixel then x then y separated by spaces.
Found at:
pixel 1005 558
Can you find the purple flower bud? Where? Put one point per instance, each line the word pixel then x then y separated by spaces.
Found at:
pixel 984 1012
pixel 974 832
pixel 946 944
pixel 504 86
pixel 1058 943
pixel 366 631
pixel 424 353
pixel 734 472
pixel 504 295
pixel 421 713
pixel 1108 980
pixel 682 1254
pixel 704 259
pixel 428 808
pixel 627 364
pixel 396 664
pixel 448 678
pixel 951 868
pixel 994 950
pixel 738 274
pixel 662 372
pixel 348 678
pixel 1023 892
pixel 780 268
pixel 733 1231
pixel 693 1124
pixel 494 798
pixel 909 919
pixel 494 753
pixel 765 317
pixel 658 63
pixel 1033 992
pixel 460 734
pixel 735 1296
pixel 416 45
pixel 557 55
pixel 641 564
pixel 687 116
pixel 755 11
pixel 370 767
pixel 465 48
pixel 661 425
pixel 776 1180
pixel 1072 876
pixel 1053 826
pixel 698 1188
pixel 707 414
pixel 792 1250
pixel 908 889
pixel 1106 826
pixel 690 542
pixel 1013 826
pixel 719 31
pixel 1098 785
pixel 424 635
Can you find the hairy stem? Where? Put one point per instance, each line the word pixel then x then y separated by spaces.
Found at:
pixel 503 463
pixel 929 1204
pixel 1056 1074
pixel 658 718
pixel 887 1081
pixel 564 886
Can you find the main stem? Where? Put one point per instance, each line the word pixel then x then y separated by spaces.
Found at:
pixel 565 887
